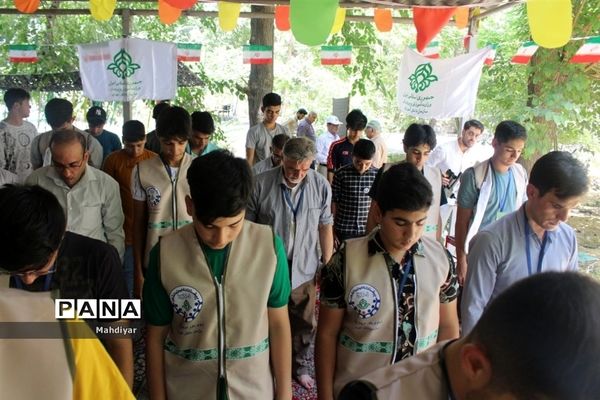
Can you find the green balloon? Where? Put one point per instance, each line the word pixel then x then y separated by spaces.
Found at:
pixel 311 20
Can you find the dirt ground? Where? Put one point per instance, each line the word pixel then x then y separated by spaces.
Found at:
pixel 586 221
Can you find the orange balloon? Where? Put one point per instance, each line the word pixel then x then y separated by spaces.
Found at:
pixel 27 6
pixel 181 4
pixel 383 19
pixel 461 16
pixel 166 13
pixel 282 18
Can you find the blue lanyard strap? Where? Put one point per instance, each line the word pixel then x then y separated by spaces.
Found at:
pixel 405 273
pixel 508 185
pixel 527 247
pixel 288 199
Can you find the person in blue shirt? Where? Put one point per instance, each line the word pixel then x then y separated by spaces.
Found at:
pixel 96 118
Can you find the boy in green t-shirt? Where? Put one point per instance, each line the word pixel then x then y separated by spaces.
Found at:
pixel 216 295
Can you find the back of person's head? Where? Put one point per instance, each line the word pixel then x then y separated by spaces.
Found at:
pixel 271 99
pixel 364 149
pixel 15 95
pixel 541 337
pixel 356 120
pixel 67 136
pixel 220 185
pixel 159 108
pixel 560 172
pixel 418 134
pixel 58 112
pixel 299 149
pixel 174 123
pixel 302 111
pixel 279 141
pixel 375 125
pixel 509 130
pixel 133 131
pixel 96 116
pixel 473 123
pixel 403 187
pixel 203 122
pixel 33 224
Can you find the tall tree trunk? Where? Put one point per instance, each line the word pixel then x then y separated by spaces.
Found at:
pixel 261 75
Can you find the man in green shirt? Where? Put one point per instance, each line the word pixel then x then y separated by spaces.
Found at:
pixel 216 295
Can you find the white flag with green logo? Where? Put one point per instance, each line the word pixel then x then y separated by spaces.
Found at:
pixel 442 88
pixel 128 69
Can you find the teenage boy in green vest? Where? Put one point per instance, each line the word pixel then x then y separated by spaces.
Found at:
pixel 216 295
pixel 389 295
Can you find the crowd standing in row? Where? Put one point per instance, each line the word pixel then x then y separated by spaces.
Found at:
pixel 228 254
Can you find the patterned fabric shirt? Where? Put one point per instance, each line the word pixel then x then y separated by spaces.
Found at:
pixel 350 193
pixel 333 292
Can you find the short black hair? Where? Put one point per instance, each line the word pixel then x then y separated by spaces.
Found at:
pixel 174 122
pixel 15 95
pixel 418 134
pixel 302 111
pixel 133 131
pixel 542 344
pixel 560 172
pixel 159 108
pixel 510 130
pixel 279 141
pixel 473 123
pixel 403 187
pixel 271 99
pixel 58 111
pixel 364 149
pixel 220 185
pixel 356 120
pixel 203 122
pixel 33 224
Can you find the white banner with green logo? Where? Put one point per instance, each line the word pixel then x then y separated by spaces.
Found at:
pixel 128 69
pixel 442 88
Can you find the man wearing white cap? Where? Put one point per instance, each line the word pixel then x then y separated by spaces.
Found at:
pixel 325 140
pixel 373 131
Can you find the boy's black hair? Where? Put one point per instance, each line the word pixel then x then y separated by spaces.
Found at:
pixel 174 122
pixel 279 141
pixel 364 149
pixel 271 99
pixel 418 134
pixel 159 108
pixel 510 130
pixel 133 131
pixel 403 187
pixel 58 111
pixel 203 122
pixel 302 111
pixel 33 224
pixel 220 185
pixel 15 95
pixel 473 123
pixel 356 120
pixel 560 172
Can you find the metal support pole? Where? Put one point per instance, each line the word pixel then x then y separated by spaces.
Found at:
pixel 126 28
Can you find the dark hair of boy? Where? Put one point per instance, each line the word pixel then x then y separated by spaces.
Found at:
pixel 279 141
pixel 271 99
pixel 473 123
pixel 364 149
pixel 356 120
pixel 302 111
pixel 15 95
pixel 403 187
pixel 220 185
pixel 67 136
pixel 509 130
pixel 133 131
pixel 33 224
pixel 560 172
pixel 159 108
pixel 530 363
pixel 57 112
pixel 174 122
pixel 418 134
pixel 96 116
pixel 203 122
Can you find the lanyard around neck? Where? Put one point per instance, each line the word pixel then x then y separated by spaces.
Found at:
pixel 527 246
pixel 288 199
pixel 405 273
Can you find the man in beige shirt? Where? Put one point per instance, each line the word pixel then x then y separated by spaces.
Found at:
pixel 373 131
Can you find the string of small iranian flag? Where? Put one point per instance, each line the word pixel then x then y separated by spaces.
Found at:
pixel 589 52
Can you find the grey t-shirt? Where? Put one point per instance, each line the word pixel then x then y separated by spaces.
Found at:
pixel 259 138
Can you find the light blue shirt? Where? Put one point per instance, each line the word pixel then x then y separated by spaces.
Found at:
pixel 498 258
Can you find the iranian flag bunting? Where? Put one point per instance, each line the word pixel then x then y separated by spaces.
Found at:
pixel 491 55
pixel 589 52
pixel 431 51
pixel 336 55
pixel 257 54
pixel 22 53
pixel 188 52
pixel 525 52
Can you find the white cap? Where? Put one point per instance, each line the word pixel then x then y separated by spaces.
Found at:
pixel 332 119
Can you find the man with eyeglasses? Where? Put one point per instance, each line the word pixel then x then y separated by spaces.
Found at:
pixel 38 255
pixel 276 155
pixel 89 197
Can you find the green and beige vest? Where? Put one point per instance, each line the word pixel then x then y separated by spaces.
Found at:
pixel 368 338
pixel 218 329
pixel 165 199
